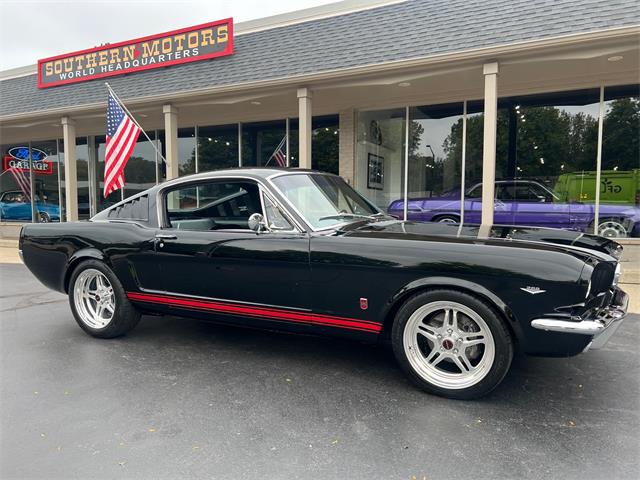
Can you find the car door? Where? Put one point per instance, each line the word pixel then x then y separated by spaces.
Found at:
pixel 473 205
pixel 504 206
pixel 535 206
pixel 207 252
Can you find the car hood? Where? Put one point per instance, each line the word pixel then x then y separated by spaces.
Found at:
pixel 506 235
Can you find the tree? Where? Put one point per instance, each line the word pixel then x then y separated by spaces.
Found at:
pixel 621 139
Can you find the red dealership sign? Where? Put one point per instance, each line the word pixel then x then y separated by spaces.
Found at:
pixel 191 44
pixel 41 167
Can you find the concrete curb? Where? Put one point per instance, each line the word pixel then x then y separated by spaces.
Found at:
pixel 8 243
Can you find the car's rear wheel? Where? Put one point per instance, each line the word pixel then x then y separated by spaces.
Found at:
pixel 98 301
pixel 447 219
pixel 43 217
pixel 612 228
pixel 452 344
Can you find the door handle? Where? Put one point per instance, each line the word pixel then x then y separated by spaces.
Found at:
pixel 166 236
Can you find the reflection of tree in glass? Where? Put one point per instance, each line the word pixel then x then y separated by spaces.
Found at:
pixel 621 139
pixel 213 154
pixel 325 149
pixel 140 170
pixel 553 141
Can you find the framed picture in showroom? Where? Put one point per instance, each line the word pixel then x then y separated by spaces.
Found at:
pixel 375 172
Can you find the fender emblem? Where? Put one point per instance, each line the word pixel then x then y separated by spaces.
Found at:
pixel 532 290
pixel 364 304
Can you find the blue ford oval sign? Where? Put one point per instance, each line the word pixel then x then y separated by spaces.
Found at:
pixel 22 153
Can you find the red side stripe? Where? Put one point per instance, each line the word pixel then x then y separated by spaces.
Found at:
pixel 258 312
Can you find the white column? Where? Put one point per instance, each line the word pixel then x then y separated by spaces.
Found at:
pixel 347 140
pixel 70 169
pixel 490 71
pixel 171 140
pixel 596 219
pixel 407 125
pixel 304 127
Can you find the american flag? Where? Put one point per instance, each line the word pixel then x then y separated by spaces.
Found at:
pixel 122 133
pixel 279 154
pixel 22 181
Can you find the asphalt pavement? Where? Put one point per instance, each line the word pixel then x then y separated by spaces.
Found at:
pixel 180 398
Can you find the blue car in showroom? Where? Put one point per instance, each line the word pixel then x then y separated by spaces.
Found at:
pixel 524 203
pixel 16 206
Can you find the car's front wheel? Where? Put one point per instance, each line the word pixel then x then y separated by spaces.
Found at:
pixel 98 301
pixel 452 344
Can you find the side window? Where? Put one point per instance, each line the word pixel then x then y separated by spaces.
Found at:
pixel 505 192
pixel 274 216
pixel 213 205
pixel 13 197
pixel 475 192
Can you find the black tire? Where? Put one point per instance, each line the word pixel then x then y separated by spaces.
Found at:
pixel 125 316
pixel 501 339
pixel 451 219
pixel 43 217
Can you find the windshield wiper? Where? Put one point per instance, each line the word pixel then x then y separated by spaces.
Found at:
pixel 353 216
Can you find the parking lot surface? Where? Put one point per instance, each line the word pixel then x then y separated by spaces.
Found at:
pixel 180 398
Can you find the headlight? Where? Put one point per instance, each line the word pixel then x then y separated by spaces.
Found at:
pixel 616 252
pixel 617 274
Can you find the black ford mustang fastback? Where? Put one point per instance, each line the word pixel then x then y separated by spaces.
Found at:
pixel 302 251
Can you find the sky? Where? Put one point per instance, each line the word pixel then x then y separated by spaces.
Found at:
pixel 33 29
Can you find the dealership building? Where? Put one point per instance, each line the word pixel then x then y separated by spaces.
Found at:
pixel 402 98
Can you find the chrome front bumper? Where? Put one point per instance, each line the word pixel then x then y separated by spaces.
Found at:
pixel 601 328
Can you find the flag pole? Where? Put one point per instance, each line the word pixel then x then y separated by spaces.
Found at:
pixel 275 151
pixel 153 144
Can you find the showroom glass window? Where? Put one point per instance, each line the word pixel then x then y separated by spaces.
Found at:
pixel 140 172
pixel 435 160
pixel 546 155
pixel 379 169
pixel 13 191
pixel 15 196
pixel 47 182
pixel 325 143
pixel 83 177
pixel 82 169
pixel 217 147
pixel 620 174
pixel 186 152
pixel 260 140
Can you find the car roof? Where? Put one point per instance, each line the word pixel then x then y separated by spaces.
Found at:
pixel 258 173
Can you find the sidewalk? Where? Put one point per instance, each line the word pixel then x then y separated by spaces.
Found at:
pixel 9 251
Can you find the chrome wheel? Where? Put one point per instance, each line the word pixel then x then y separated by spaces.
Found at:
pixel 94 299
pixel 449 345
pixel 43 217
pixel 612 229
pixel 448 220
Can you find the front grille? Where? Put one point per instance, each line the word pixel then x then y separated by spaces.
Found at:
pixel 602 277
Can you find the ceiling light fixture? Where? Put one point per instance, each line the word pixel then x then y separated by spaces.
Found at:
pixel 404 84
pixel 615 58
pixel 255 102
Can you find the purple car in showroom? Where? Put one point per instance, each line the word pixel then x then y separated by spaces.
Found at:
pixel 524 202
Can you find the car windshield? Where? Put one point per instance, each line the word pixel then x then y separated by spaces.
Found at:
pixel 325 200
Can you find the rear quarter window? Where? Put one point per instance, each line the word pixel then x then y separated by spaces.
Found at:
pixel 135 209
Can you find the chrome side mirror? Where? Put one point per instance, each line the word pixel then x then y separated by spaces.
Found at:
pixel 257 223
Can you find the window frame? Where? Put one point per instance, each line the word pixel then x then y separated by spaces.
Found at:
pixel 163 212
